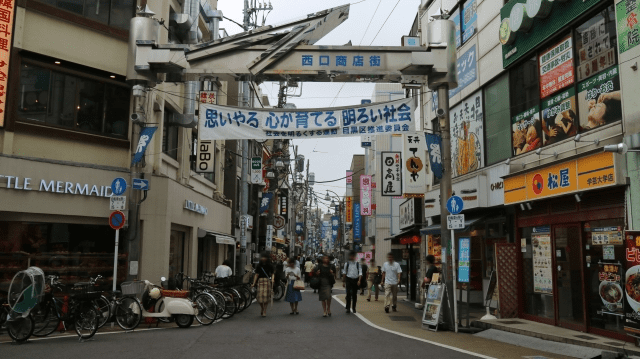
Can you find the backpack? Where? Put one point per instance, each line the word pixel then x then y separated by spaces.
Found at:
pixel 378 278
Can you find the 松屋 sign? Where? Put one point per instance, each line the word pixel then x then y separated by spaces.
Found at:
pixel 227 123
pixel 6 29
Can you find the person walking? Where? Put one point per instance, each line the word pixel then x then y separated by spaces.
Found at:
pixel 365 272
pixel 391 273
pixel 291 274
pixel 264 280
pixel 326 272
pixel 351 279
pixel 374 278
pixel 318 262
pixel 308 268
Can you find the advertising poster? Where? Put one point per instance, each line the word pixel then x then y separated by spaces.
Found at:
pixel 556 67
pixel 599 99
pixel 357 223
pixel 464 263
pixel 467 136
pixel 414 172
pixel 602 236
pixel 595 52
pixel 365 196
pixel 467 72
pixel 7 20
pixel 627 21
pixel 632 282
pixel 434 143
pixel 391 174
pixel 469 17
pixel 435 295
pixel 610 288
pixel 455 17
pixel 264 203
pixel 542 264
pixel 559 119
pixel 526 131
pixel 335 226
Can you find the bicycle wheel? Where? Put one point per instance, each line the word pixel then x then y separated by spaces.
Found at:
pixel 220 303
pixel 103 305
pixel 241 300
pixel 229 305
pixel 46 319
pixel 205 308
pixel 20 329
pixel 236 299
pixel 247 296
pixel 128 313
pixel 278 291
pixel 86 320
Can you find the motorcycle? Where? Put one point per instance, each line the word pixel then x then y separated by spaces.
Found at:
pixel 163 304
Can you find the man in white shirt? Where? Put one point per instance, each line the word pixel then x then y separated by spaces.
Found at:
pixel 224 270
pixel 391 273
pixel 351 279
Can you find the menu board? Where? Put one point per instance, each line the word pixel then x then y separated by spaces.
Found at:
pixel 556 67
pixel 526 131
pixel 433 304
pixel 610 288
pixel 606 235
pixel 542 264
pixel 632 282
pixel 599 99
pixel 559 119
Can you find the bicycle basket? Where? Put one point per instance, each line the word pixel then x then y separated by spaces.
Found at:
pixel 132 288
pixel 85 292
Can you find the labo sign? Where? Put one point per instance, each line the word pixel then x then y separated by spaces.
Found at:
pixel 521 18
pixel 27 184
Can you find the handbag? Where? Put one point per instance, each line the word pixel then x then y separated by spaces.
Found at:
pixel 315 283
pixel 298 285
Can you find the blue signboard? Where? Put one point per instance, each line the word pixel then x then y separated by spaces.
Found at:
pixel 463 259
pixel 456 20
pixel 266 200
pixel 469 18
pixel 434 145
pixel 455 205
pixel 434 101
pixel 118 186
pixel 364 102
pixel 357 225
pixel 467 72
pixel 542 229
pixel 145 138
pixel 299 227
pixel 335 226
pixel 140 184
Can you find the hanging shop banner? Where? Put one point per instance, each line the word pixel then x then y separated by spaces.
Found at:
pixel 6 43
pixel 467 72
pixel 265 202
pixel 145 138
pixel 365 196
pixel 556 67
pixel 594 49
pixel 434 101
pixel 464 259
pixel 434 145
pixel 628 27
pixel 526 131
pixel 599 99
pixel 469 18
pixel 414 172
pixel 228 123
pixel 283 200
pixel 357 223
pixel 455 17
pixel 559 119
pixel 349 209
pixel 299 227
pixel 632 282
pixel 208 97
pixel 335 226
pixel 391 174
pixel 467 135
pixel 349 179
pixel 542 264
pixel 324 229
pixel 610 288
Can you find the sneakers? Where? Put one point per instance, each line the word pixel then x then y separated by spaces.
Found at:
pixel 386 309
pixel 394 309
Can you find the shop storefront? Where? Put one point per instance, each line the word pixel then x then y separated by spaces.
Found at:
pixel 570 220
pixel 406 244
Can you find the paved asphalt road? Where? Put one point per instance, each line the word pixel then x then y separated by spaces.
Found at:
pixel 246 335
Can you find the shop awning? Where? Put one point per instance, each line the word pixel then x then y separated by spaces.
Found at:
pixel 220 238
pixel 435 228
pixel 411 230
pixel 225 240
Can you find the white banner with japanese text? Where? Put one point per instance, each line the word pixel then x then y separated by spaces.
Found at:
pixel 229 123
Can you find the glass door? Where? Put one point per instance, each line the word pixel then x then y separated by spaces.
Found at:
pixel 569 293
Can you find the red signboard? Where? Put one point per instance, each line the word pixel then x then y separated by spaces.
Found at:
pixel 6 28
pixel 556 67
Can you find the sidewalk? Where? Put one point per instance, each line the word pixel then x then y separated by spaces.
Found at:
pixel 407 322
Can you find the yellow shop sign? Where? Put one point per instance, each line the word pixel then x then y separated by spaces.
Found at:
pixel 594 171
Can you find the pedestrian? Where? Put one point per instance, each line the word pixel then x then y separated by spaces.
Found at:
pixel 391 273
pixel 224 270
pixel 351 279
pixel 326 272
pixel 431 270
pixel 264 280
pixel 292 273
pixel 336 263
pixel 365 271
pixel 374 278
pixel 297 261
pixel 308 270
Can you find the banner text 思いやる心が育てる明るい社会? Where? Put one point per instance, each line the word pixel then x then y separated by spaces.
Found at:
pixel 227 123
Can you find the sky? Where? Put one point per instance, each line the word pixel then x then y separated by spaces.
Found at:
pixel 330 158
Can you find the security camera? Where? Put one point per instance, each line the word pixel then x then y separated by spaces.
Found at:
pixel 138 117
pixel 440 113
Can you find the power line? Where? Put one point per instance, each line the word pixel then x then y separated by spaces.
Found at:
pixel 385 21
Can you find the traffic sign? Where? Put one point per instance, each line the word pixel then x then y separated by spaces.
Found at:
pixel 140 184
pixel 455 205
pixel 455 221
pixel 117 203
pixel 278 222
pixel 256 170
pixel 116 220
pixel 118 186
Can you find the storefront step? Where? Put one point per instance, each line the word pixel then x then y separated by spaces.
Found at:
pixel 557 334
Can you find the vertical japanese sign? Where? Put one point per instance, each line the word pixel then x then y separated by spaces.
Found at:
pixel 256 170
pixel 542 264
pixel 365 196
pixel 414 173
pixel 627 21
pixel 455 17
pixel 335 226
pixel 299 227
pixel 284 204
pixel 526 131
pixel 269 238
pixel 349 209
pixel 357 224
pixel 264 203
pixel 467 72
pixel 469 17
pixel 208 97
pixel 6 28
pixel 556 67
pixel 349 183
pixel 467 135
pixel 632 282
pixel 434 145
pixel 464 263
pixel 594 49
pixel 145 138
pixel 391 174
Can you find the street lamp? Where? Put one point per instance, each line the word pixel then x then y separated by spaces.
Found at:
pixel 620 148
pixel 327 197
pixel 270 175
pixel 279 164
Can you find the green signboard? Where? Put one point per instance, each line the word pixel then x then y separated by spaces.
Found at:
pixel 520 43
pixel 627 20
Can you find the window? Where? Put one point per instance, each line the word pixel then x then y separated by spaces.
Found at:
pixel 497 117
pixel 176 253
pixel 115 13
pixel 169 135
pixel 83 104
pixel 525 107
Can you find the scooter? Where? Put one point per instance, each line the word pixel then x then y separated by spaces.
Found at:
pixel 167 304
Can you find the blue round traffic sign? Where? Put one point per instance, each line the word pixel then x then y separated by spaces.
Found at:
pixel 118 186
pixel 455 205
pixel 116 220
